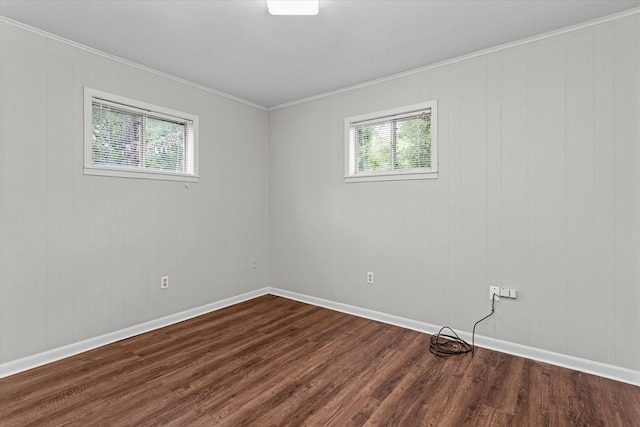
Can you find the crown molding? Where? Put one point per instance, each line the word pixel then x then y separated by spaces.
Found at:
pixel 126 62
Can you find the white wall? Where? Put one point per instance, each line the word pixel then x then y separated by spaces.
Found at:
pixel 538 190
pixel 82 255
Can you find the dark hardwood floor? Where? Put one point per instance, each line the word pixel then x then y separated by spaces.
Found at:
pixel 275 362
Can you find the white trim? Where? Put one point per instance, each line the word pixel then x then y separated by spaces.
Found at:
pixel 127 62
pixel 351 173
pixel 588 366
pixel 122 173
pixel 190 121
pixel 29 362
pixel 465 57
pixel 493 49
pixel 397 176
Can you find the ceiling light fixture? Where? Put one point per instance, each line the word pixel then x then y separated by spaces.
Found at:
pixel 293 7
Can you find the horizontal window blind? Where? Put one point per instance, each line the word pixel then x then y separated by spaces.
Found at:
pixel 411 114
pixel 126 137
pixel 401 142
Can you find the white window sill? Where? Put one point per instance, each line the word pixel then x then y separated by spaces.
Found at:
pixel 390 177
pixel 140 175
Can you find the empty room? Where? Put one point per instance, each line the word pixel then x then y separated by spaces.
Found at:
pixel 320 213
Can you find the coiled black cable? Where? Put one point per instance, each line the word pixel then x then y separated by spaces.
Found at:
pixel 445 345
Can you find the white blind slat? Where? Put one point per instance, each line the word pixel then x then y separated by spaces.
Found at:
pixel 399 143
pixel 134 138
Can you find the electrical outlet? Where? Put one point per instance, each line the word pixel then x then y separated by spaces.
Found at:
pixel 494 290
pixel 370 277
pixel 164 282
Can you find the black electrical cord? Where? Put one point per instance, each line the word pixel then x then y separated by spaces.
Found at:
pixel 445 345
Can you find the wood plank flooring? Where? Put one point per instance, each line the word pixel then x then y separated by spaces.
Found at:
pixel 276 362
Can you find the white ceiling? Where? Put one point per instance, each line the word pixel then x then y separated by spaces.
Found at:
pixel 236 47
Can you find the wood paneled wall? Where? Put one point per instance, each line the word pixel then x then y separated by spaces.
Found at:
pixel 538 190
pixel 83 255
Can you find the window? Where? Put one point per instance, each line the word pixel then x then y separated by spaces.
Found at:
pixel 392 145
pixel 129 138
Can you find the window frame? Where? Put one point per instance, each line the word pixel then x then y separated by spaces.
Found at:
pixel 351 173
pixel 154 111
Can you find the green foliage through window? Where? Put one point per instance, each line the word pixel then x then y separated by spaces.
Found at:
pixel 394 144
pixel 128 139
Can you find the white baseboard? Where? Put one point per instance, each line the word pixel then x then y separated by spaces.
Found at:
pixel 584 365
pixel 591 367
pixel 49 356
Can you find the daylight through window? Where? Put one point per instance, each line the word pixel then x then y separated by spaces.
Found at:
pixel 392 144
pixel 129 138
